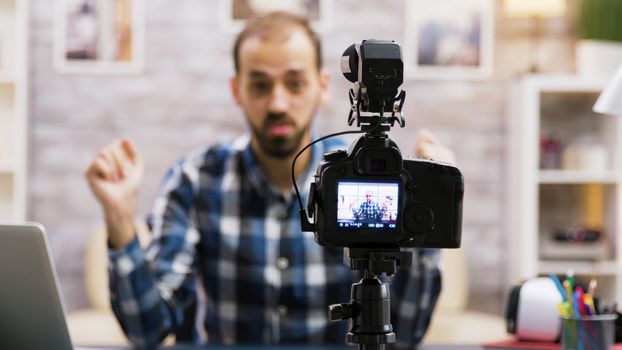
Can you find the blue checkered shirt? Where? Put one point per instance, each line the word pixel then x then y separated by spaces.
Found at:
pixel 227 246
pixel 368 211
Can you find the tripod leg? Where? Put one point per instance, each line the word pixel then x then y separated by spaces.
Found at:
pixel 371 347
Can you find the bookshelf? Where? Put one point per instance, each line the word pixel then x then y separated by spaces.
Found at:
pixel 564 183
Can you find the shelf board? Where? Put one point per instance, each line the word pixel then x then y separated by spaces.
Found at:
pixel 7 77
pixel 6 168
pixel 608 267
pixel 564 83
pixel 577 177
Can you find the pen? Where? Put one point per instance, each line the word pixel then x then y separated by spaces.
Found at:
pixel 576 304
pixel 585 307
pixel 591 288
pixel 568 293
pixel 578 298
pixel 563 310
pixel 589 301
pixel 559 286
pixel 570 278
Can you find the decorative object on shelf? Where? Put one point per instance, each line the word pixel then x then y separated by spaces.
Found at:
pixel 448 39
pixel 588 250
pixel 550 152
pixel 578 234
pixel 610 99
pixel 599 49
pixel 536 11
pixel 99 36
pixel 592 157
pixel 233 13
pixel 585 241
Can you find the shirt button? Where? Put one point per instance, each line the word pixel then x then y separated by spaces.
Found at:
pixel 281 310
pixel 282 263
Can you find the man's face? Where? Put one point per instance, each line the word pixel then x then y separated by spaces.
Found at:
pixel 368 197
pixel 279 88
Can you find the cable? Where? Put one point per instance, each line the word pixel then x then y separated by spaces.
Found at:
pixel 302 210
pixel 309 145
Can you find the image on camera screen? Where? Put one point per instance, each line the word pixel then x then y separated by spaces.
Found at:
pixel 367 204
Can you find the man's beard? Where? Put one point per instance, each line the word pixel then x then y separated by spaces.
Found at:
pixel 279 147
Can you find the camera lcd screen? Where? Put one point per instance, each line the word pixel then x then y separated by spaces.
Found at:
pixel 367 205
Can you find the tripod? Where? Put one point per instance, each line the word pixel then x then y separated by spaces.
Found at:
pixel 370 304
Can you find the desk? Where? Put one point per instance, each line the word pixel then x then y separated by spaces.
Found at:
pixel 281 347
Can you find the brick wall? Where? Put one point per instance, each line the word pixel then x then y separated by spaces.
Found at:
pixel 181 101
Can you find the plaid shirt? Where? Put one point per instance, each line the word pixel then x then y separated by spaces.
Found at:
pixel 368 211
pixel 227 246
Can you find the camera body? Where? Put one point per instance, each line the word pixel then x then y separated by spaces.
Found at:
pixel 369 196
pixel 413 203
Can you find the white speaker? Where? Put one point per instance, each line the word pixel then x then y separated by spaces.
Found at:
pixel 532 310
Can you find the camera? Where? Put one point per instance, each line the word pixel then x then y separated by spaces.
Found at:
pixel 372 202
pixel 369 196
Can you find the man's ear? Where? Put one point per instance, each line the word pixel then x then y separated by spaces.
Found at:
pixel 234 85
pixel 324 86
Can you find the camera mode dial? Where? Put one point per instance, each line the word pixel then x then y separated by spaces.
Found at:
pixel 418 219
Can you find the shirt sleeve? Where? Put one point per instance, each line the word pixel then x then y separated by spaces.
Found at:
pixel 151 289
pixel 414 293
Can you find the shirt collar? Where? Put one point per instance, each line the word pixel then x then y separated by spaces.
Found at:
pixel 262 183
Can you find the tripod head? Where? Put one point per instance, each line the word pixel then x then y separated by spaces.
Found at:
pixel 376 261
pixel 370 303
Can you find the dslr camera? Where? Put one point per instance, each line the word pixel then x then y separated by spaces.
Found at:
pixel 369 196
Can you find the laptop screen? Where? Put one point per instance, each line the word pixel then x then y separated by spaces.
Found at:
pixel 31 310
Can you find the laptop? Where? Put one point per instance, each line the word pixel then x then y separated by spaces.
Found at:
pixel 31 308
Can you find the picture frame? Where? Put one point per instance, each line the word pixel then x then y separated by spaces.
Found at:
pixel 234 13
pixel 99 36
pixel 448 39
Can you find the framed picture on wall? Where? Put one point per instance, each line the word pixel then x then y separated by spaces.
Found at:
pixel 448 39
pixel 233 13
pixel 99 36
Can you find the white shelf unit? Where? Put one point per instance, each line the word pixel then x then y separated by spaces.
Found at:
pixel 544 202
pixel 13 108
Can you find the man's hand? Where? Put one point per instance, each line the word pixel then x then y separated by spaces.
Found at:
pixel 114 177
pixel 429 147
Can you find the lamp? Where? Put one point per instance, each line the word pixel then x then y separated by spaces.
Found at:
pixel 536 10
pixel 610 99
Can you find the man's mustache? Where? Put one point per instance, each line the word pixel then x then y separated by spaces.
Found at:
pixel 278 119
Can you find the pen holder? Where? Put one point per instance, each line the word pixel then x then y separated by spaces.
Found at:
pixel 589 332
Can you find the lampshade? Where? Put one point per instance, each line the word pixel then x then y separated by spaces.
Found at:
pixel 610 99
pixel 534 8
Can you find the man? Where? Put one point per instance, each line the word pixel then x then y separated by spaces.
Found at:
pixel 369 210
pixel 227 248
